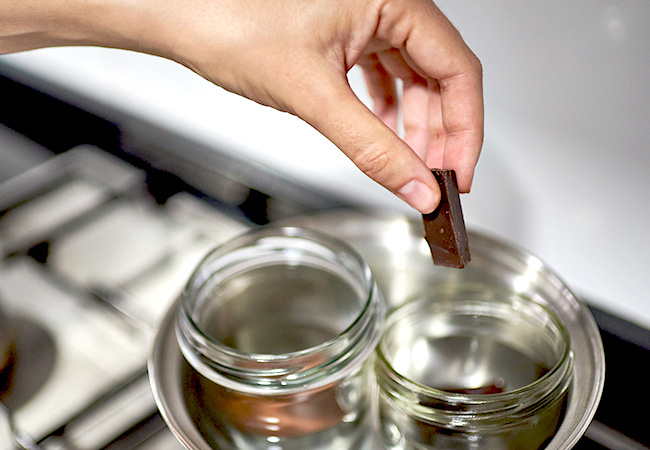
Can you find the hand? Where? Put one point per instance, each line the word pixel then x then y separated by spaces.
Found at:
pixel 294 55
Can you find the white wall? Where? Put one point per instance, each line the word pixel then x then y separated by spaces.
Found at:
pixel 567 152
pixel 563 170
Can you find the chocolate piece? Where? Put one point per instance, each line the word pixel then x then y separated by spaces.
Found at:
pixel 445 228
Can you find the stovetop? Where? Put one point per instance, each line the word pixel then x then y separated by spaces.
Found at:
pixel 98 233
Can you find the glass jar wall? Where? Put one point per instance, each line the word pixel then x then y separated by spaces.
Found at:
pixel 277 327
pixel 467 366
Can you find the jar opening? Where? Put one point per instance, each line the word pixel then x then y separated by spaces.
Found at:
pixel 279 309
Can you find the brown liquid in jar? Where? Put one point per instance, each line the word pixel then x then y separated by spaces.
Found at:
pixel 533 432
pixel 282 415
pixel 276 310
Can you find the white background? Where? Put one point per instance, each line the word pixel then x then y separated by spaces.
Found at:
pixel 564 170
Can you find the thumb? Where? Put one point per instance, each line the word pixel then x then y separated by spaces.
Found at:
pixel 373 147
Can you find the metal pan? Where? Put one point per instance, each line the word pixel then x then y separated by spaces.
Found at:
pixel 400 259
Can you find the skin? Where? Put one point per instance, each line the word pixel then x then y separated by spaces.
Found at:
pixel 293 55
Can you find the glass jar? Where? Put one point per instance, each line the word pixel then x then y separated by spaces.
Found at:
pixel 472 367
pixel 277 327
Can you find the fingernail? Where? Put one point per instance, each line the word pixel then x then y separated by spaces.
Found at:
pixel 419 196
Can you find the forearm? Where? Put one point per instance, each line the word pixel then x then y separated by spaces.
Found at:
pixel 31 24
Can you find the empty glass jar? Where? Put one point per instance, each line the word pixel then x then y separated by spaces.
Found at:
pixel 277 327
pixel 472 367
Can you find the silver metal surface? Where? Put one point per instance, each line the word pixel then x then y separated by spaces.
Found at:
pixel 166 367
pixel 611 439
pixel 7 433
pixel 400 260
pixel 84 311
pixel 10 438
pixel 41 201
pixel 69 348
pixel 106 418
pixel 18 153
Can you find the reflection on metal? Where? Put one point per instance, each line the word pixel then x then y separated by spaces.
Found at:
pixel 611 439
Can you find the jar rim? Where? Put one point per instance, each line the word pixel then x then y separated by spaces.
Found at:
pixel 228 365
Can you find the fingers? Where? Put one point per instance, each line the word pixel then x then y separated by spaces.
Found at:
pixel 456 116
pixel 451 106
pixel 462 117
pixel 438 133
pixel 415 97
pixel 382 90
pixel 372 145
pixel 441 126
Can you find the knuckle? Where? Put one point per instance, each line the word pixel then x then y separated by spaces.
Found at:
pixel 477 66
pixel 474 65
pixel 374 161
